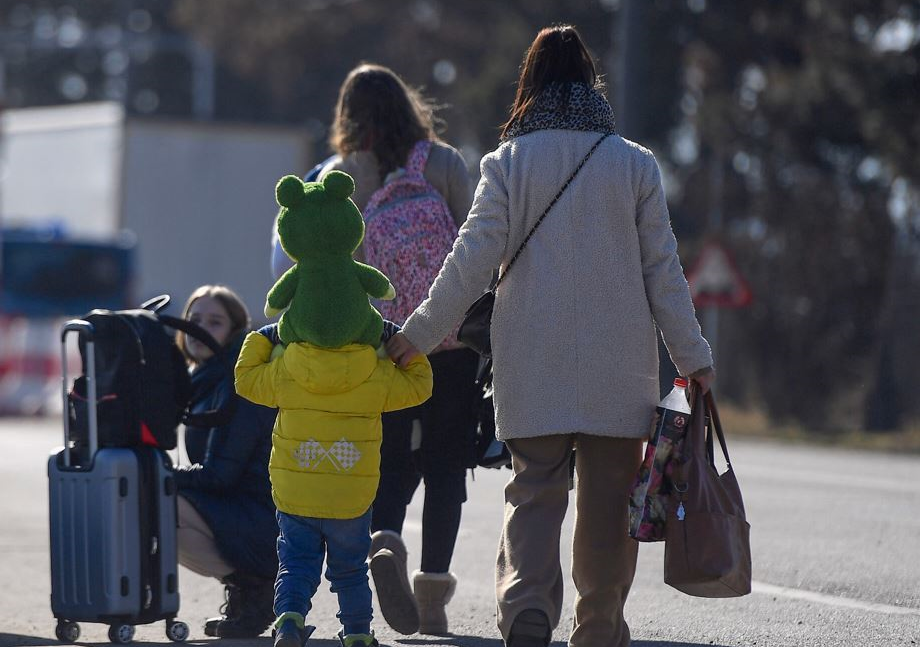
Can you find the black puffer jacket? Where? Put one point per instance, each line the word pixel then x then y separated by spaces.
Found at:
pixel 227 482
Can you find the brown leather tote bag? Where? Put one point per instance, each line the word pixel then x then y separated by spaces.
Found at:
pixel 707 538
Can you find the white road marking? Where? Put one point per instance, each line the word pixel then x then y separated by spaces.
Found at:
pixel 831 600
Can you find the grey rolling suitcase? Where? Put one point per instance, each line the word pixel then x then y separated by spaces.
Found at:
pixel 112 517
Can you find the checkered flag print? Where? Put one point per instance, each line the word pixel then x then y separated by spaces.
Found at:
pixel 344 453
pixel 309 453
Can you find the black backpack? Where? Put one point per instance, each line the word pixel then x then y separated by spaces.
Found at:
pixel 143 389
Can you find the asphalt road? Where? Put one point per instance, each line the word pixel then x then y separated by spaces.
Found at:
pixel 835 539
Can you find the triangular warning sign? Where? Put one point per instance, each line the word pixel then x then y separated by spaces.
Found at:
pixel 715 280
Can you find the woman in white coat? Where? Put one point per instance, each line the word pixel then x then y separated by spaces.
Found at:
pixel 573 336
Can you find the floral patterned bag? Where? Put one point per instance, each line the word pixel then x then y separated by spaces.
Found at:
pixel 409 231
pixel 650 493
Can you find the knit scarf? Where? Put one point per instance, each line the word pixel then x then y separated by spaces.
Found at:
pixel 566 106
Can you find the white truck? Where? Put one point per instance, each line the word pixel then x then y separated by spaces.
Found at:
pixel 197 197
pixel 194 202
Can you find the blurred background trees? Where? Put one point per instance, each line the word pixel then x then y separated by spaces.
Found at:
pixel 787 130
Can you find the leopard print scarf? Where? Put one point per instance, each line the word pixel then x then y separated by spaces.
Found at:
pixel 566 106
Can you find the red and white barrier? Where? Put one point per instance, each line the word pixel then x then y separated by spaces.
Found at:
pixel 30 366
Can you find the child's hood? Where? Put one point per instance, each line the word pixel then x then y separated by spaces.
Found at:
pixel 329 370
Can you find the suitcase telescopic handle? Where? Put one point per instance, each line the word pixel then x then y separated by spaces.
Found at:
pixel 87 333
pixel 81 326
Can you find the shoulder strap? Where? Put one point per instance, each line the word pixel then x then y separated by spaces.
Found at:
pixel 418 157
pixel 212 417
pixel 190 328
pixel 551 204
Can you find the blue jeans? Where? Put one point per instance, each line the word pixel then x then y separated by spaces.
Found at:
pixel 303 542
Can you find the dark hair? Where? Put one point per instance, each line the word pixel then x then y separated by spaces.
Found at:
pixel 377 111
pixel 556 55
pixel 232 303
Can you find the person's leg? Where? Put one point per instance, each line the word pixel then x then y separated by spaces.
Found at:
pixel 447 451
pixel 197 548
pixel 394 493
pixel 528 575
pixel 347 545
pixel 445 493
pixel 434 584
pixel 447 447
pixel 399 478
pixel 603 554
pixel 300 562
pixel 247 608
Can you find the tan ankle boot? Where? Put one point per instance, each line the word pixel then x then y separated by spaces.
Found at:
pixel 432 592
pixel 391 580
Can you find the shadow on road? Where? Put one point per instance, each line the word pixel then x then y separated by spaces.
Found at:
pixel 479 641
pixel 15 640
pixel 665 643
pixel 457 641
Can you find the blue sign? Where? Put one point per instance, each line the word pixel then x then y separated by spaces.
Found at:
pixel 48 276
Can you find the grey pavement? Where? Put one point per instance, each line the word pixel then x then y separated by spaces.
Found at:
pixel 835 539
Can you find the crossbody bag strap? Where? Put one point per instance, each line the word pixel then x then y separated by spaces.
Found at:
pixel 547 210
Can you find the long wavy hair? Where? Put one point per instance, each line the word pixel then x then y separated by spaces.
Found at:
pixel 377 111
pixel 556 55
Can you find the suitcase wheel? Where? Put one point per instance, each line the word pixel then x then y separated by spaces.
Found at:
pixel 121 634
pixel 176 631
pixel 67 632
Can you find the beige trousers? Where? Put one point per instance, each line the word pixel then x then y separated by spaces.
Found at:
pixel 197 548
pixel 528 574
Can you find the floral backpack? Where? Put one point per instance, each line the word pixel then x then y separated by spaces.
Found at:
pixel 408 233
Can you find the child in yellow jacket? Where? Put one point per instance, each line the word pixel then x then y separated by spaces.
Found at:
pixel 325 467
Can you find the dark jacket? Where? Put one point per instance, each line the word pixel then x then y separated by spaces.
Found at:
pixel 227 482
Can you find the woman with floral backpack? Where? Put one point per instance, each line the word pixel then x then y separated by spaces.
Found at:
pixel 415 192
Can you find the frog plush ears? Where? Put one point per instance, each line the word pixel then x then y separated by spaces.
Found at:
pixel 326 292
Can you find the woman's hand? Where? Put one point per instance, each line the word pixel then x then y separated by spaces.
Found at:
pixel 704 378
pixel 401 350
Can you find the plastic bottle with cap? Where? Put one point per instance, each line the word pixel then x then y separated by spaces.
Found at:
pixel 676 400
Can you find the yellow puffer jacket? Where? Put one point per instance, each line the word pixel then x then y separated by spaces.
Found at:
pixel 325 459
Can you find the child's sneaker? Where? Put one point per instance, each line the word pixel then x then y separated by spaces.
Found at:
pixel 357 640
pixel 290 630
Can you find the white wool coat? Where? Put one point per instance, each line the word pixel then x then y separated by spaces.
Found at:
pixel 573 330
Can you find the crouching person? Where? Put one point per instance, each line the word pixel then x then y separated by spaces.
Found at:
pixel 226 516
pixel 325 467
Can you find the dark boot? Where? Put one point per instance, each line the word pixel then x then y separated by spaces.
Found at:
pixel 256 613
pixel 228 610
pixel 530 628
